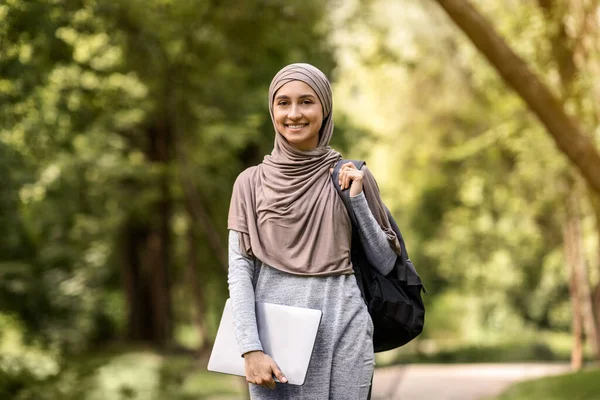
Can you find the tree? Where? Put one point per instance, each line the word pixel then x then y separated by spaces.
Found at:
pixel 469 171
pixel 569 137
pixel 130 121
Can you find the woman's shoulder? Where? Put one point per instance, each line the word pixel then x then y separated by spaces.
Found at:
pixel 245 178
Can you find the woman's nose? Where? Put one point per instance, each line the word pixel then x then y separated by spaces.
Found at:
pixel 294 113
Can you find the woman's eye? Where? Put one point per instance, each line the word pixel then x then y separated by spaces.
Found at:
pixel 282 103
pixel 306 102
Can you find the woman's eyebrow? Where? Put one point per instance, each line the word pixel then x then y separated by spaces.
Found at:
pixel 283 96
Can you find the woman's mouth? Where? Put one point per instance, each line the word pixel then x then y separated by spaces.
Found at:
pixel 296 127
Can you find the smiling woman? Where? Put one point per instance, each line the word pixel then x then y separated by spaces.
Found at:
pixel 289 243
pixel 298 114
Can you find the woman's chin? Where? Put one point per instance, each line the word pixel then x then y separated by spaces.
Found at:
pixel 296 140
pixel 300 141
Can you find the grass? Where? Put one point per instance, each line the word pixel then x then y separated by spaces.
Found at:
pixel 547 347
pixel 584 385
pixel 506 352
pixel 184 378
pixel 128 374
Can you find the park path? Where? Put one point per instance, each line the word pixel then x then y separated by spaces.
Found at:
pixel 455 382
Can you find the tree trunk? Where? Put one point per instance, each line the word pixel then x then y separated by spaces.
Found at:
pixel 562 47
pixel 577 331
pixel 569 137
pixel 595 201
pixel 146 244
pixel 570 240
pixel 135 283
pixel 596 302
pixel 158 243
pixel 564 52
pixel 141 252
pixel 196 288
pixel 578 263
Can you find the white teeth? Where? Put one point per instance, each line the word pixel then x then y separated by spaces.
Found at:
pixel 296 126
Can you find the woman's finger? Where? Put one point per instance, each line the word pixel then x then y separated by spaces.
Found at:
pixel 345 174
pixel 348 172
pixel 277 372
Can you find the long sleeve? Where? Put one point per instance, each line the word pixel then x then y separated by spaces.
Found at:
pixel 241 293
pixel 377 248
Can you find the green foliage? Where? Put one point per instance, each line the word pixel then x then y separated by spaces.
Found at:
pixel 120 375
pixel 584 385
pixel 505 353
pixel 481 346
pixel 22 364
pixel 83 85
pixel 474 180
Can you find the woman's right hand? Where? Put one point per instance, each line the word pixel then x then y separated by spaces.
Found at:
pixel 260 369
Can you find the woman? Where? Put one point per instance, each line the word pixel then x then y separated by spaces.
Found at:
pixel 289 243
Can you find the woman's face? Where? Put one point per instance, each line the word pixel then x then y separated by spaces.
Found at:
pixel 298 114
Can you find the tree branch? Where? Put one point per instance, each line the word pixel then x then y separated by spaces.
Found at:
pixel 567 134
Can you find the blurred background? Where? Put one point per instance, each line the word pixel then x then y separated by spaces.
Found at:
pixel 124 123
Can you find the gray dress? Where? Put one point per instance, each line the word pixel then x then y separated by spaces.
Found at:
pixel 342 362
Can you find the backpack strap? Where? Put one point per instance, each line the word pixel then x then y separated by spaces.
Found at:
pixel 345 194
pixel 405 270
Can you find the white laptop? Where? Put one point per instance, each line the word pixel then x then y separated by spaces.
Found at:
pixel 286 333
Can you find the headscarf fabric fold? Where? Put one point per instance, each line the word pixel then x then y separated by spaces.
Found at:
pixel 287 210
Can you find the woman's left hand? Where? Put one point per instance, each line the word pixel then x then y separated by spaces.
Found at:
pixel 348 175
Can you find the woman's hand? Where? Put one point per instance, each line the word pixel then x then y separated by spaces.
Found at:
pixel 260 369
pixel 350 174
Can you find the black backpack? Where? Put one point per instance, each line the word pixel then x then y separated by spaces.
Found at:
pixel 394 301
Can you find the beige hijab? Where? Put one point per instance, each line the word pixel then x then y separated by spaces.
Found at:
pixel 286 208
